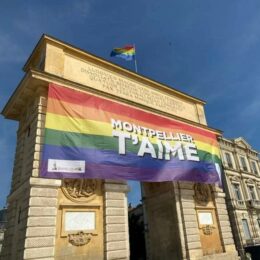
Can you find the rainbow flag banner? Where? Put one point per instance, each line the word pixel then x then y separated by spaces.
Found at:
pixel 126 53
pixel 87 136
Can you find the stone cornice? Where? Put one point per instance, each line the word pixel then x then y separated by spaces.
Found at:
pixel 97 60
pixel 36 81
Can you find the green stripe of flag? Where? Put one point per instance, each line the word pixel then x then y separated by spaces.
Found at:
pixel 61 138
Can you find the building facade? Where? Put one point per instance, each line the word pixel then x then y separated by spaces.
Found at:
pixel 242 187
pixel 3 221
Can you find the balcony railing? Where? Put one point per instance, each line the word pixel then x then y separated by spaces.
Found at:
pixel 240 204
pixel 254 203
pixel 253 241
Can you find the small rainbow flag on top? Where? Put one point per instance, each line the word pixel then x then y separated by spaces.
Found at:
pixel 127 52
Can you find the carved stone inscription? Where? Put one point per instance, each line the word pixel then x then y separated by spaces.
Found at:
pixel 131 90
pixel 101 79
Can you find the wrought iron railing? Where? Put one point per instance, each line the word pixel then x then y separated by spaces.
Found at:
pixel 254 203
pixel 253 241
pixel 240 203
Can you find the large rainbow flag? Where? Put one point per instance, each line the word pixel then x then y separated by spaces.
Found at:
pixel 88 136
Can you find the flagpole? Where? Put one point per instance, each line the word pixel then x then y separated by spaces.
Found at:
pixel 135 60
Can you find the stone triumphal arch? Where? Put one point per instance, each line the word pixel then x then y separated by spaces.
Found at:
pixel 88 218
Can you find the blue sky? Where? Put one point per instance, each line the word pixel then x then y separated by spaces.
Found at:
pixel 209 49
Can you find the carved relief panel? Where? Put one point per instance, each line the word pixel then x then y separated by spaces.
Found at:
pixel 207 219
pixel 80 190
pixel 80 220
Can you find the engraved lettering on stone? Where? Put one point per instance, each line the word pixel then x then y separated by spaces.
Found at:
pixel 132 90
pixel 79 239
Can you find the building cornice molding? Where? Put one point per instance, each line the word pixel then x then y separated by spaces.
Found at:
pixel 42 79
pixel 104 63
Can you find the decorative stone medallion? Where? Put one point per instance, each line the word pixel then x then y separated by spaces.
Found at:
pixel 79 190
pixel 207 230
pixel 79 239
pixel 202 193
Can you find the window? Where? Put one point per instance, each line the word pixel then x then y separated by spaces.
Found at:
pixel 229 161
pixel 251 192
pixel 254 167
pixel 28 131
pixel 237 192
pixel 258 221
pixel 246 229
pixel 243 162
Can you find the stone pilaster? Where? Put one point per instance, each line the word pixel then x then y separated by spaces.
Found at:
pixel 116 220
pixel 27 159
pixel 191 246
pixel 224 222
pixel 41 222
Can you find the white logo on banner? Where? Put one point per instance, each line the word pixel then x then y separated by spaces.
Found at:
pixel 66 166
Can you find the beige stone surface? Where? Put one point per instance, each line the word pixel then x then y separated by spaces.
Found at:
pixel 115 203
pixel 41 221
pixel 44 192
pixel 116 219
pixel 42 211
pixel 104 80
pixel 40 201
pixel 45 182
pixel 67 203
pixel 117 254
pixel 116 245
pixel 115 236
pixel 38 253
pixel 193 238
pixel 54 61
pixel 115 212
pixel 115 195
pixel 40 231
pixel 39 242
pixel 115 228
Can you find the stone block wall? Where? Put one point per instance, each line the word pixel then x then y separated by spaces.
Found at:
pixel 116 220
pixel 187 216
pixel 179 199
pixel 224 220
pixel 33 201
pixel 29 140
pixel 163 223
pixel 26 164
pixel 41 222
pixel 17 212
